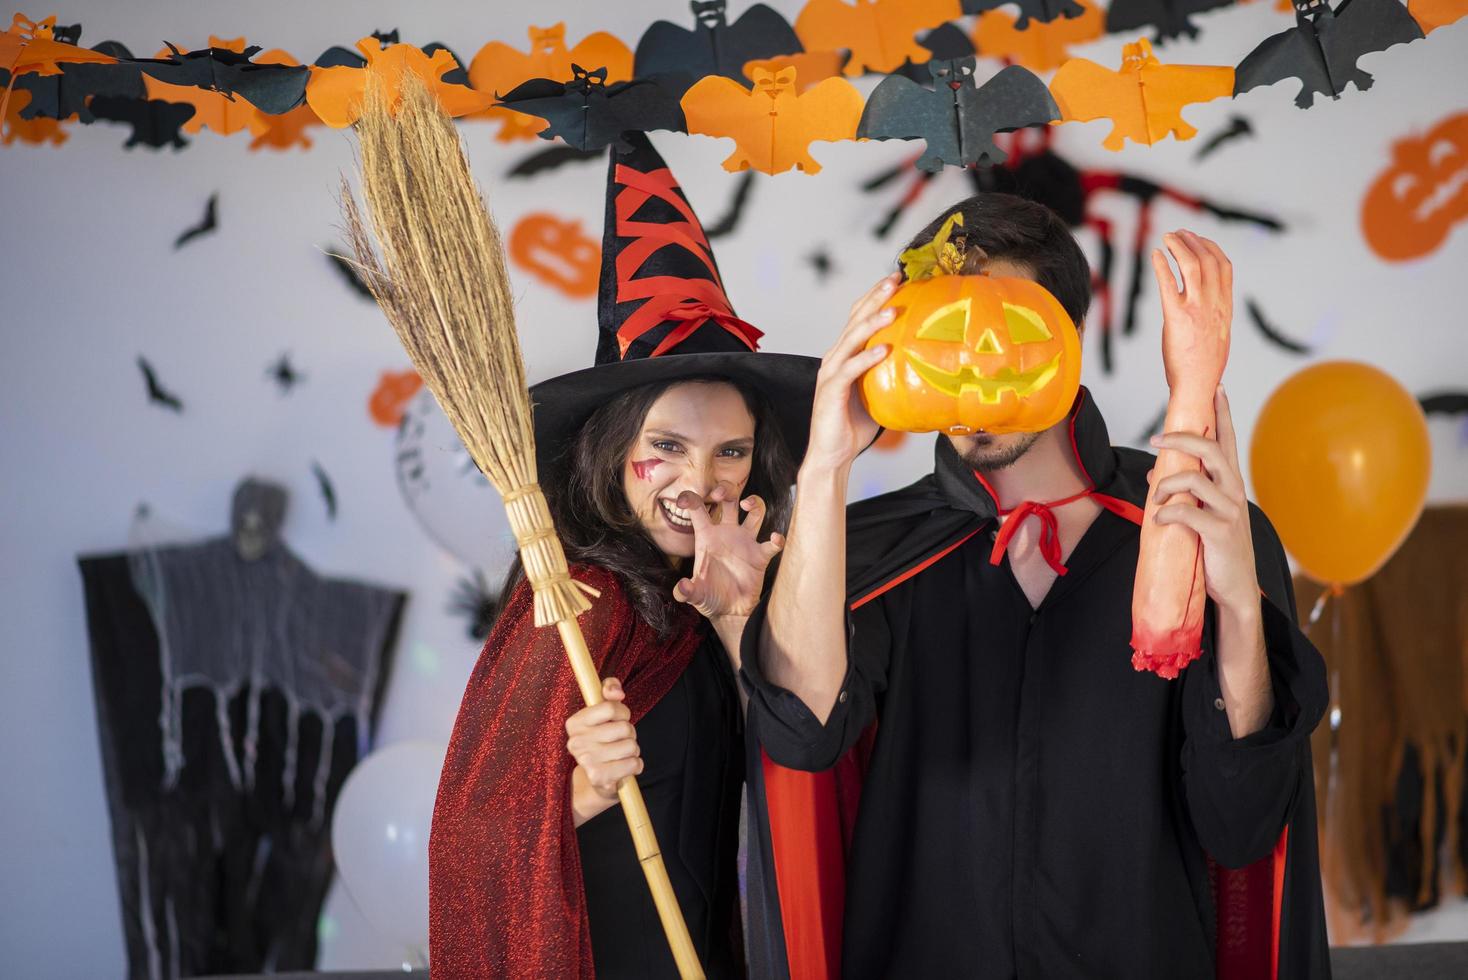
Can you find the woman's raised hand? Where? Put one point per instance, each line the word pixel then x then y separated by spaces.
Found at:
pixel 729 560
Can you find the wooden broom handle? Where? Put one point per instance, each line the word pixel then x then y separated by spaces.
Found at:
pixel 638 821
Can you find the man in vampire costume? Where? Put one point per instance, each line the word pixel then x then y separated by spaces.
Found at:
pixel 961 772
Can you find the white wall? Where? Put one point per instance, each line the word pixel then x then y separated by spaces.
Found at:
pixel 89 281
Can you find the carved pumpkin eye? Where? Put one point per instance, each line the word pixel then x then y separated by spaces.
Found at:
pixel 1025 325
pixel 1441 152
pixel 948 323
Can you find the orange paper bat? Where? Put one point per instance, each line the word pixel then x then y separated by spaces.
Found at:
pixel 28 47
pixel 336 93
pixel 880 34
pixel 1144 98
pixel 1040 46
pixel 287 130
pixel 497 68
pixel 39 131
pixel 1432 14
pixel 772 125
pixel 222 113
pixel 811 67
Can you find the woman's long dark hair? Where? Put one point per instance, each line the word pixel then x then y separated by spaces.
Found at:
pixel 594 520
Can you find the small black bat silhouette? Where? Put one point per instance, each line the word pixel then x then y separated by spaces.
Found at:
pixel 349 272
pixel 1271 334
pixel 208 224
pixel 328 492
pixel 1444 402
pixel 737 203
pixel 157 394
pixel 551 158
pixel 284 374
pixel 1237 128
pixel 820 261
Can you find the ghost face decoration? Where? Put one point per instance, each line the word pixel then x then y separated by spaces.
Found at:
pixel 1411 208
pixel 974 352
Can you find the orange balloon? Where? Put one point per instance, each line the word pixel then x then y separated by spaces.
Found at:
pixel 1340 459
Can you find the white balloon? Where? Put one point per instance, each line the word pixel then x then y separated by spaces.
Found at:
pixel 379 833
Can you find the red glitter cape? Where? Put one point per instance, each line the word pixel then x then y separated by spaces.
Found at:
pixel 505 896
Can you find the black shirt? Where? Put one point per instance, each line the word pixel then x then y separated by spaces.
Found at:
pixel 1034 806
pixel 692 752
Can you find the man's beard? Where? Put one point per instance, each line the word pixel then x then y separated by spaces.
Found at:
pixel 986 453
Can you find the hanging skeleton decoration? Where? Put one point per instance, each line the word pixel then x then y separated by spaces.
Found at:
pixel 1034 170
pixel 235 690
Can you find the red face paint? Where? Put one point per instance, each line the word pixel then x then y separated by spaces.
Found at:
pixel 644 467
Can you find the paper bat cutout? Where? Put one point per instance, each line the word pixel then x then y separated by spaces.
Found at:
pixel 811 67
pixel 65 95
pixel 284 130
pixel 1432 14
pixel 1172 18
pixel 880 34
pixel 947 42
pixel 549 159
pixel 1322 48
pixel 1144 98
pixel 1043 45
pixel 336 93
pixel 1043 11
pixel 157 394
pixel 216 110
pixel 328 491
pixel 206 224
pixel 284 374
pixel 32 46
pixel 772 125
pixel 349 273
pixel 225 67
pixel 820 263
pixel 1237 128
pixel 1272 334
pixel 1444 403
pixel 499 68
pixel 680 56
pixel 37 131
pixel 731 218
pixel 154 124
pixel 957 118
pixel 589 114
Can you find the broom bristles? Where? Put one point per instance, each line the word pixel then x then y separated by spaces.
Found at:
pixel 433 257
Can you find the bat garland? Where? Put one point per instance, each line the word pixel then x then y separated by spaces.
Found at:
pixel 50 79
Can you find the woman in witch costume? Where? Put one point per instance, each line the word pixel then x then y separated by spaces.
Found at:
pixel 667 467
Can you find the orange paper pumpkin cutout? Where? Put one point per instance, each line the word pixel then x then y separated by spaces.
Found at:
pixel 1040 46
pixel 288 129
pixel 557 253
pixel 1432 14
pixel 1144 98
pixel 336 93
pixel 393 392
pixel 1412 206
pixel 880 34
pixel 773 124
pixel 498 68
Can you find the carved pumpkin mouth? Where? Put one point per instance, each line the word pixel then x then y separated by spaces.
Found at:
pixel 1443 196
pixel 989 388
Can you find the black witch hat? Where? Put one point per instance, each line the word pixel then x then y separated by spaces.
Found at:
pixel 663 314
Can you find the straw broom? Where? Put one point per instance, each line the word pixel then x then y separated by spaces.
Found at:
pixel 441 279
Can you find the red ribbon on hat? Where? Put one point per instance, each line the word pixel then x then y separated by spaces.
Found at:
pixel 691 302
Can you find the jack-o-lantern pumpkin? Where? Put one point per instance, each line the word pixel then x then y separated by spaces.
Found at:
pixel 971 352
pixel 557 252
pixel 1410 209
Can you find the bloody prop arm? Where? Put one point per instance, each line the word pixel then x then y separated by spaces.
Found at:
pixel 1167 603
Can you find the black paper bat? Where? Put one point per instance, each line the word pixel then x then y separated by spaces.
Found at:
pixel 207 224
pixel 284 374
pixel 1171 17
pixel 550 158
pixel 472 599
pixel 328 492
pixel 340 57
pixel 154 124
pixel 67 93
pixel 1322 48
pixel 1237 128
pixel 1270 333
pixel 680 56
pixel 1042 10
pixel 946 42
pixel 157 394
pixel 351 275
pixel 589 114
pixel 820 262
pixel 385 38
pixel 731 218
pixel 1444 403
pixel 273 89
pixel 956 118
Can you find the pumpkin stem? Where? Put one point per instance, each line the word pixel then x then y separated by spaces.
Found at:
pixel 943 256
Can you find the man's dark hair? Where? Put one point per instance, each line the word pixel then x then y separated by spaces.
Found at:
pixel 596 524
pixel 1029 234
